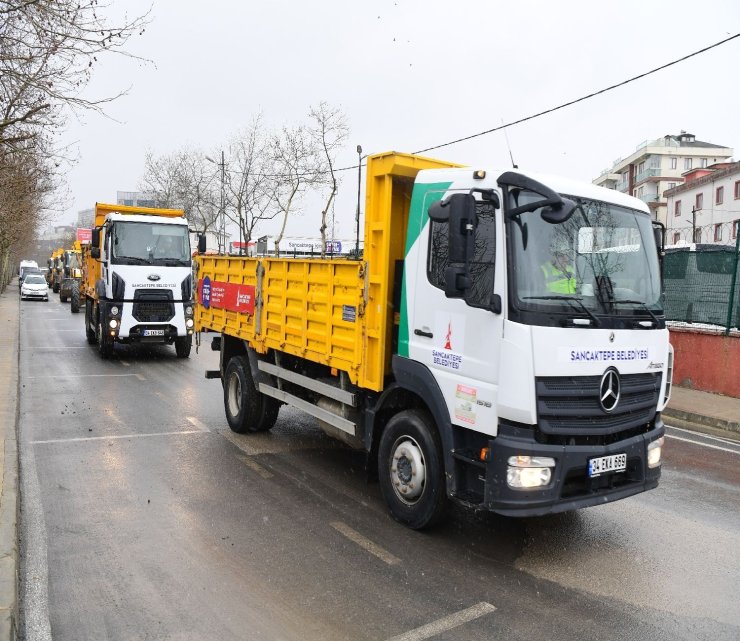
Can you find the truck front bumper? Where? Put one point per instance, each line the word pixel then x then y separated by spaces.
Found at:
pixel 570 486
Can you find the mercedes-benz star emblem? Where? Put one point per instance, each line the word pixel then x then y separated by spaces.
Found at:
pixel 153 277
pixel 609 390
pixel 611 337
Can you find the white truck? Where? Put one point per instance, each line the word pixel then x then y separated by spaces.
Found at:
pixel 501 343
pixel 137 279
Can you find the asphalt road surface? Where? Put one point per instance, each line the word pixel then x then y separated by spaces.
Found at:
pixel 144 517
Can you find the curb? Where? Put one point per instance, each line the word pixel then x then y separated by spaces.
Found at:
pixel 9 415
pixel 700 423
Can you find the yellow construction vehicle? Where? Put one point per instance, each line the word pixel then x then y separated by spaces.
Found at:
pixel 71 273
pixel 56 269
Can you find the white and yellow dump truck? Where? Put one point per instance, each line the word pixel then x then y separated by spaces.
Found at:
pixel 137 279
pixel 501 343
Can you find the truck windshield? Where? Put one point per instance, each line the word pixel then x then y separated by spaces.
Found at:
pixel 603 259
pixel 73 260
pixel 150 244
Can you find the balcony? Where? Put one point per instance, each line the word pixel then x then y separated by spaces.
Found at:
pixel 650 172
pixel 649 198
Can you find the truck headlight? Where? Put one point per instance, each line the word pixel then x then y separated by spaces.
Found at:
pixel 655 451
pixel 525 472
pixel 114 310
pixel 113 323
pixel 189 323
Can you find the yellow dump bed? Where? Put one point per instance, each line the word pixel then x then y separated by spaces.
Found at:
pixel 336 312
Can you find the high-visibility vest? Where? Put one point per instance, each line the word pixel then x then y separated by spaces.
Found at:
pixel 559 281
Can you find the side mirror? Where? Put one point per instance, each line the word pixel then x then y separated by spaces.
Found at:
pixel 95 252
pixel 458 211
pixel 659 235
pixel 96 237
pixel 202 244
pixel 560 213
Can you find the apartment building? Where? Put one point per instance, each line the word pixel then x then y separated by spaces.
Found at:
pixel 656 166
pixel 705 208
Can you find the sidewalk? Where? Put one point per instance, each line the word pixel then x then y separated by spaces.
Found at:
pixel 9 323
pixel 704 412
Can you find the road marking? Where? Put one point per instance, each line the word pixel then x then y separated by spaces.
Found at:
pixel 714 447
pixel 139 376
pixel 196 423
pixel 446 623
pixel 61 347
pixel 365 543
pixel 255 467
pixel 125 364
pixel 703 435
pixel 111 438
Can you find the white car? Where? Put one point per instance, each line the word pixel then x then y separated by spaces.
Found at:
pixel 34 286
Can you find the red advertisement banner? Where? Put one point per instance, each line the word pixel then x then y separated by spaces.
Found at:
pixel 230 296
pixel 84 235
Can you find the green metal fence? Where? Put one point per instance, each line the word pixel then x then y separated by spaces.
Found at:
pixel 702 285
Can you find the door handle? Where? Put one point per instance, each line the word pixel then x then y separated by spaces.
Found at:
pixel 421 332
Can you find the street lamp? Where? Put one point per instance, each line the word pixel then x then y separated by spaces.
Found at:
pixel 221 235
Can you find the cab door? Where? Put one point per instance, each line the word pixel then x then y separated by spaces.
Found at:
pixel 459 339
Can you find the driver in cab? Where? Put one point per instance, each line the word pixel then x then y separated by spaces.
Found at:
pixel 560 277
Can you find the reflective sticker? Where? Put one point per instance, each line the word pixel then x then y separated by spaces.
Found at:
pixel 465 401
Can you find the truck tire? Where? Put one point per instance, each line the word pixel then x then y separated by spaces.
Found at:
pixel 183 345
pixel 105 345
pixel 74 299
pixel 89 334
pixel 62 296
pixel 411 470
pixel 247 410
pixel 55 287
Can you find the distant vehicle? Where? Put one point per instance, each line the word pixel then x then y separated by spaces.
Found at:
pixel 34 286
pixel 27 271
pixel 26 264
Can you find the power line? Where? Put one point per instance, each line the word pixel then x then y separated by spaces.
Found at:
pixel 577 100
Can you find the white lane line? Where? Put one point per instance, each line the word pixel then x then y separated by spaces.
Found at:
pixel 115 437
pixel 60 347
pixel 702 435
pixel 714 447
pixel 365 543
pixel 255 467
pixel 46 331
pixel 446 623
pixel 141 378
pixel 196 423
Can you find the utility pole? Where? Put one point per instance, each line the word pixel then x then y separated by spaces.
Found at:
pixel 693 222
pixel 357 217
pixel 223 199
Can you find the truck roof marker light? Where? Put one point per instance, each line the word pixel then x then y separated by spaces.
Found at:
pixel 479 174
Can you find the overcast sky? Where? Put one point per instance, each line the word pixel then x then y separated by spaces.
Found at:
pixel 410 74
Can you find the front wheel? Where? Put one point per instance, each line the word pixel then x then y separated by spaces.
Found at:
pixel 247 410
pixel 74 300
pixel 183 346
pixel 62 297
pixel 411 470
pixel 105 344
pixel 89 333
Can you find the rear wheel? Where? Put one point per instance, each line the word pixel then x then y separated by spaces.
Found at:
pixel 105 344
pixel 247 410
pixel 74 301
pixel 62 296
pixel 183 346
pixel 55 287
pixel 411 470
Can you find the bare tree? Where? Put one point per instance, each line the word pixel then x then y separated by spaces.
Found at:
pixel 251 186
pixel 183 180
pixel 329 132
pixel 294 155
pixel 48 50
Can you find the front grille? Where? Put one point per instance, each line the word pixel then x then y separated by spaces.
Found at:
pixel 570 405
pixel 153 306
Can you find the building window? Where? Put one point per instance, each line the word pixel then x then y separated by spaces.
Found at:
pixel 697 235
pixel 737 189
pixel 641 167
pixel 720 196
pixel 128 203
pixel 717 233
pixel 687 164
pixel 671 185
pixel 677 211
pixel 676 237
pixel 699 201
pixel 674 163
pixel 702 162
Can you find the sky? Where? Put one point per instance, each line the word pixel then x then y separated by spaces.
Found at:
pixel 408 74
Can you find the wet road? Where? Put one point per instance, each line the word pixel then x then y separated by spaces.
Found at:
pixel 144 517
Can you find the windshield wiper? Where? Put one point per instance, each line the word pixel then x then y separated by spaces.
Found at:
pixel 638 302
pixel 135 260
pixel 574 300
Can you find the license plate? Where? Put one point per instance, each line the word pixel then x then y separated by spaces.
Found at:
pixel 604 464
pixel 153 332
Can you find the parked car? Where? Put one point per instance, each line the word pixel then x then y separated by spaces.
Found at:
pixel 34 286
pixel 27 271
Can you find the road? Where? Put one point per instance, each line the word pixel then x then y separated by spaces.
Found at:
pixel 144 517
